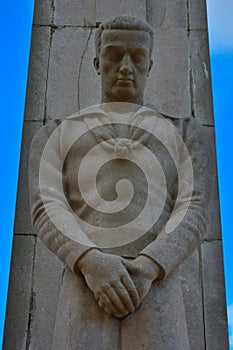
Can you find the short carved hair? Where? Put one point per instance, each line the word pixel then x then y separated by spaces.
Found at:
pixel 123 22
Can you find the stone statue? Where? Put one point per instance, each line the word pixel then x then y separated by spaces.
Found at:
pixel 126 294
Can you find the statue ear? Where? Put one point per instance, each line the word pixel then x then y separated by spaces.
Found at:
pixel 150 66
pixel 96 63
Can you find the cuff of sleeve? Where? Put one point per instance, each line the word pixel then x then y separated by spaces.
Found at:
pixel 70 253
pixel 75 267
pixel 162 271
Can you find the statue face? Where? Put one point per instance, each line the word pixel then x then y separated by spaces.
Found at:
pixel 123 64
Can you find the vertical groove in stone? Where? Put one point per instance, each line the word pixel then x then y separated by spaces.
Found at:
pixel 214 296
pixel 18 300
pixel 189 62
pixel 48 271
pixel 80 68
pixel 50 44
pixel 31 300
pixel 202 290
pixel 47 75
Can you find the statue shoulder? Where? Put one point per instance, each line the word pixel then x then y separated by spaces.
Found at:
pixel 43 134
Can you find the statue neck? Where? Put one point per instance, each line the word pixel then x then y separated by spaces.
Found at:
pixel 137 100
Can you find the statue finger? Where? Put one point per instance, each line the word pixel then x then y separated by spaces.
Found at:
pixel 108 307
pixel 131 289
pixel 117 301
pixel 125 297
pixel 131 267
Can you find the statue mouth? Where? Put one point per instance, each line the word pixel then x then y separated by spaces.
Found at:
pixel 125 81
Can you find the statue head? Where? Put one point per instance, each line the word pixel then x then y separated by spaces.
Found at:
pixel 124 47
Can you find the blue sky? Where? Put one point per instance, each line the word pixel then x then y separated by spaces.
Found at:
pixel 16 18
pixel 221 48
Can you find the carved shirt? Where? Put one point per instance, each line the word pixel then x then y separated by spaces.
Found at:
pixel 126 182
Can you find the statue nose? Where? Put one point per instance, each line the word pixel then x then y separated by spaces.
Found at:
pixel 126 65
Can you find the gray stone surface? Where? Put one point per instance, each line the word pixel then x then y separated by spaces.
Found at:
pixel 167 14
pixel 37 76
pixel 214 297
pixel 75 12
pixel 190 277
pixel 214 226
pixel 73 83
pixel 168 83
pixel 111 8
pixel 90 12
pixel 43 12
pixel 23 217
pixel 68 48
pixel 19 295
pixel 201 77
pixel 69 12
pixel 197 14
pixel 47 281
pixel 89 94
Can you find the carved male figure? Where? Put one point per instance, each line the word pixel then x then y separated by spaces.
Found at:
pixel 128 295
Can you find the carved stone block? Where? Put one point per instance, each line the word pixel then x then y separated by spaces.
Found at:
pixel 19 303
pixel 67 51
pixel 201 77
pixel 168 93
pixel 167 14
pixel 214 297
pixel 23 218
pixel 37 76
pixel 135 8
pixel 43 12
pixel 47 281
pixel 197 14
pixel 190 276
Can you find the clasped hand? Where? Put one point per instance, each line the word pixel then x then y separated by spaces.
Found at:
pixel 119 285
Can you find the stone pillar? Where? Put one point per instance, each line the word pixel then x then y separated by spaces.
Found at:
pixel 59 79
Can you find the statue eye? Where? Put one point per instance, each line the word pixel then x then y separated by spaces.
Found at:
pixel 113 54
pixel 138 56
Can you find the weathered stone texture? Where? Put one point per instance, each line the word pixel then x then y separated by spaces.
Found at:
pixel 197 14
pixel 168 83
pixel 43 12
pixel 47 280
pixel 214 297
pixel 75 12
pixel 167 14
pixel 62 80
pixel 37 75
pixel 18 306
pixel 89 83
pixel 201 77
pixel 69 12
pixel 90 12
pixel 68 48
pixel 111 8
pixel 214 227
pixel 192 293
pixel 23 218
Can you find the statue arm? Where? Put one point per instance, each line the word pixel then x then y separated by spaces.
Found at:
pixel 171 247
pixel 105 274
pixel 66 249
